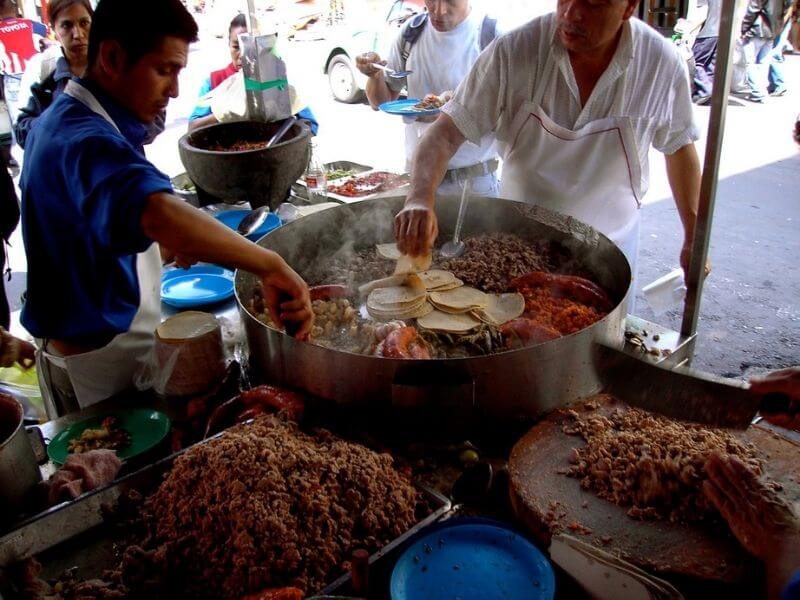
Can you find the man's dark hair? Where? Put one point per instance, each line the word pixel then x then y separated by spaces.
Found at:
pixel 55 7
pixel 238 21
pixel 7 6
pixel 139 26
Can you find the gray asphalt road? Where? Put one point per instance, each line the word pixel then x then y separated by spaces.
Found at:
pixel 750 312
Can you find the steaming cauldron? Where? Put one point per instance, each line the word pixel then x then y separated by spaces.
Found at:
pixel 516 383
pixel 261 176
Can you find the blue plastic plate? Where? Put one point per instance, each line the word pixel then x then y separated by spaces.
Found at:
pixel 472 559
pixel 406 108
pixel 232 218
pixel 199 285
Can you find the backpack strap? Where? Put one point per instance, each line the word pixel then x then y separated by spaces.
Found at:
pixel 410 35
pixel 488 31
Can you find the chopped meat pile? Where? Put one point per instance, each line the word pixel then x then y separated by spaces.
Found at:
pixel 491 261
pixel 265 506
pixel 654 465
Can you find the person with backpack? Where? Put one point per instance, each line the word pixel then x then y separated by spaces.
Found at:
pixel 439 47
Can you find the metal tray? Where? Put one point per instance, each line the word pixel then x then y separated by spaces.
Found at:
pixel 301 190
pixel 386 193
pixel 73 534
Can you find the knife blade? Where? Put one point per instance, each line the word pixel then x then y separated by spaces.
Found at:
pixel 679 393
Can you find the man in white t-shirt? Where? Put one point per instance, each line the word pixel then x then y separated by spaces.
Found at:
pixel 575 98
pixel 439 47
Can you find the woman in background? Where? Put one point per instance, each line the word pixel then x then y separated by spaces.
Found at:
pixel 203 114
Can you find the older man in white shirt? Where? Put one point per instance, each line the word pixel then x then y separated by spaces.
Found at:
pixel 575 98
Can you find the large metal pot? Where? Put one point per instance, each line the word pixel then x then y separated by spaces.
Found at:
pixel 519 383
pixel 19 471
pixel 261 177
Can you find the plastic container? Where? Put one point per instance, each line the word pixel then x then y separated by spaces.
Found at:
pixel 666 292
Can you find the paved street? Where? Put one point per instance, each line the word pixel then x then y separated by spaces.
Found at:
pixel 750 315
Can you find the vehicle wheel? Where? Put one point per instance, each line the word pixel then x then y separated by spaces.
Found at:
pixel 342 80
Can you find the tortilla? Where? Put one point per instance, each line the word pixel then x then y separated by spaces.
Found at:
pixel 389 251
pixel 413 264
pixel 411 292
pixel 460 299
pixel 447 323
pixel 501 309
pixel 394 280
pixel 420 311
pixel 447 287
pixel 436 278
pixel 455 311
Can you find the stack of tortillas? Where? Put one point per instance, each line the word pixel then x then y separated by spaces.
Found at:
pixel 437 299
pixel 408 300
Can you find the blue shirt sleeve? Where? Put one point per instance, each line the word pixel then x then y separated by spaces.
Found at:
pixel 39 28
pixel 113 183
pixel 202 111
pixel 307 115
pixel 792 589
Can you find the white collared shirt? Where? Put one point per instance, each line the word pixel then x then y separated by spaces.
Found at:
pixel 646 70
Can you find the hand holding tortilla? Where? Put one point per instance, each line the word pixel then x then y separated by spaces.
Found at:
pixel 416 229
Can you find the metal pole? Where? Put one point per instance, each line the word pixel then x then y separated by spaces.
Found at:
pixel 708 184
pixel 252 19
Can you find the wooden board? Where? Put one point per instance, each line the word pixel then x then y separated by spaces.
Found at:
pixel 704 551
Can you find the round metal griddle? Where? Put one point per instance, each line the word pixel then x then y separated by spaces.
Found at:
pixel 519 383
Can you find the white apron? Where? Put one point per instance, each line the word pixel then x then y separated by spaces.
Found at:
pixel 102 373
pixel 592 174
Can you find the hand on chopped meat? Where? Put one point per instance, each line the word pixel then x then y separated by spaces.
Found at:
pixel 763 523
pixel 758 517
pixel 82 473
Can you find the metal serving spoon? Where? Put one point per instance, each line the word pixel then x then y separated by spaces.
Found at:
pixel 455 247
pixel 253 220
pixel 393 74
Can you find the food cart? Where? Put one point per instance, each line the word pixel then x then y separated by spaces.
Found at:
pixel 498 431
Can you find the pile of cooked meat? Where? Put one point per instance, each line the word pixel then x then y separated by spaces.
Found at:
pixel 492 260
pixel 654 465
pixel 266 505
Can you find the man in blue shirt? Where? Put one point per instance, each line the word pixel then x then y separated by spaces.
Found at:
pixel 92 206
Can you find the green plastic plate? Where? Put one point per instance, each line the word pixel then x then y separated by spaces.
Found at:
pixel 147 428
